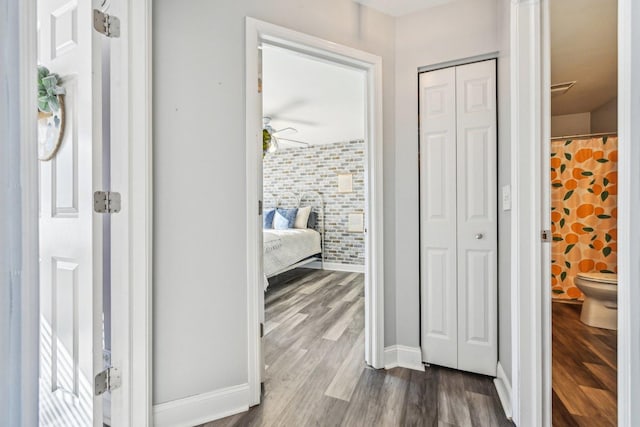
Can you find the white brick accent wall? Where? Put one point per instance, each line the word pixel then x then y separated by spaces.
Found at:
pixel 316 169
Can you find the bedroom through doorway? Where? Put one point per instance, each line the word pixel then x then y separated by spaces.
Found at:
pixel 314 198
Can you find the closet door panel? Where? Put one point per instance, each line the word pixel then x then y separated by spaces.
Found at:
pixel 438 218
pixel 477 231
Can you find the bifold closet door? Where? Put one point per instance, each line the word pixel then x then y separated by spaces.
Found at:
pixel 438 248
pixel 459 217
pixel 477 218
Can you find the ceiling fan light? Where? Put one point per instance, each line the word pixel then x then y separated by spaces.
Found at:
pixel 273 145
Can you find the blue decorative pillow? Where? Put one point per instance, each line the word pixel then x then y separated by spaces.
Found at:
pixel 267 218
pixel 284 218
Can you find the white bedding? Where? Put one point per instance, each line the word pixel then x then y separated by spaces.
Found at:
pixel 283 248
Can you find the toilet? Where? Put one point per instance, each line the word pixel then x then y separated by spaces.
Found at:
pixel 600 307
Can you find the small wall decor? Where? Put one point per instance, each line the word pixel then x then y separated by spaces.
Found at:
pixel 345 183
pixel 356 222
pixel 51 117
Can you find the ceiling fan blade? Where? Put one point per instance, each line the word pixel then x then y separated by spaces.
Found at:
pixel 307 144
pixel 288 129
pixel 285 119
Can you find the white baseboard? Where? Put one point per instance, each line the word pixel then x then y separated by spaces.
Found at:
pixel 503 387
pixel 202 408
pixel 336 266
pixel 403 357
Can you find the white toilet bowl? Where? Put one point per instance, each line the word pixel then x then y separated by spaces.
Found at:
pixel 600 307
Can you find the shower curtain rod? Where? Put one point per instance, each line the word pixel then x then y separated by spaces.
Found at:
pixel 587 135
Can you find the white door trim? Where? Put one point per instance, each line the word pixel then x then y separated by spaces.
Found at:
pixel 531 306
pixel 256 33
pixel 528 337
pixel 629 209
pixel 460 61
pixel 132 229
pixel 30 245
pixel 22 407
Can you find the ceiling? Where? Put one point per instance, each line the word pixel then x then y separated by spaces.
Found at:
pixel 584 49
pixel 323 101
pixel 401 7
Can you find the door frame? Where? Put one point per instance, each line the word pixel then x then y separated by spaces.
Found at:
pixel 131 228
pixel 29 307
pixel 492 56
pixel 258 32
pixel 531 306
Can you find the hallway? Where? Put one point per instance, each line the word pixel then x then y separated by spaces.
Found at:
pixel 316 373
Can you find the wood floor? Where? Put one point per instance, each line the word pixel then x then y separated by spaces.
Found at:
pixel 584 371
pixel 316 375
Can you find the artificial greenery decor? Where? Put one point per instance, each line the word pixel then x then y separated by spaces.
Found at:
pixel 266 141
pixel 48 90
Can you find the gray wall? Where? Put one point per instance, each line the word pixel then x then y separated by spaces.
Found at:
pixel 200 300
pixel 200 330
pixel 605 118
pixel 316 169
pixel 571 124
pixel 452 31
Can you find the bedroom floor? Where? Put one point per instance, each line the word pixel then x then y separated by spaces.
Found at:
pixel 316 374
pixel 584 370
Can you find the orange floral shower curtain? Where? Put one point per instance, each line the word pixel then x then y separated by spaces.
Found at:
pixel 584 188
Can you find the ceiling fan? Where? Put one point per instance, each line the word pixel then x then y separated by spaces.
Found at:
pixel 271 136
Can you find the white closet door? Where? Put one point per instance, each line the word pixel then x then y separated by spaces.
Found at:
pixel 477 217
pixel 438 217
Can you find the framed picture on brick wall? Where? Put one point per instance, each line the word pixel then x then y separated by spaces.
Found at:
pixel 345 183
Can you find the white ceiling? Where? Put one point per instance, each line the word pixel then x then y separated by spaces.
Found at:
pixel 584 49
pixel 323 101
pixel 401 7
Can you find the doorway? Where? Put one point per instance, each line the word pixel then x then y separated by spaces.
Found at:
pixel 583 165
pixel 71 236
pixel 259 33
pixel 314 198
pixel 130 337
pixel 74 117
pixel 531 273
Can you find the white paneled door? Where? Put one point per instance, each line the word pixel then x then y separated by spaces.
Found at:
pixel 458 214
pixel 438 253
pixel 70 233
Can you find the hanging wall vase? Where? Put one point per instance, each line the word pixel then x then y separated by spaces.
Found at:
pixel 50 113
pixel 51 131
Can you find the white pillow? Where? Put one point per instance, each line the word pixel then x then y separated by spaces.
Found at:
pixel 302 217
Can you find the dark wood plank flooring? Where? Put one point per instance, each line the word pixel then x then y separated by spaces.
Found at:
pixel 316 375
pixel 584 370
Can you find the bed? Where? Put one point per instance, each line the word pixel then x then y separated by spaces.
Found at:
pixel 287 249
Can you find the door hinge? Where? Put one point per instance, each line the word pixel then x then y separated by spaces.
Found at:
pixel 106 202
pixel 545 236
pixel 261 330
pixel 107 380
pixel 106 24
pixel 259 207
